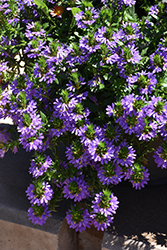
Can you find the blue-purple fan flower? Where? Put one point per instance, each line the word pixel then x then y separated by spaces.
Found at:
pixel 160 156
pixel 145 81
pixel 158 60
pixel 157 108
pixel 89 132
pixel 101 222
pixel 153 10
pixel 39 167
pixel 39 215
pixel 110 174
pixel 76 188
pixel 40 193
pixel 101 150
pixel 103 208
pixel 78 155
pixel 112 133
pixel 34 30
pixel 78 218
pixel 105 204
pixel 4 140
pixel 137 175
pixel 88 44
pixel 148 129
pixel 86 18
pixel 124 155
pixel 140 180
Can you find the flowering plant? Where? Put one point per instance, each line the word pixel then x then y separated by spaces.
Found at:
pixel 91 75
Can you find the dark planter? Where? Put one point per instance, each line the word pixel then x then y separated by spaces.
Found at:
pixel 69 239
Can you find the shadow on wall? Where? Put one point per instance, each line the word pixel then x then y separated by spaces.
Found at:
pixel 141 220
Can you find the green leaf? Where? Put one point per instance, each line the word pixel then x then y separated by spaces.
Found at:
pixel 163 81
pixel 106 192
pixel 42 6
pixel 14 50
pixel 87 4
pixel 44 118
pixel 101 86
pixel 154 16
pixel 144 51
pixel 130 14
pixel 50 39
pixel 75 10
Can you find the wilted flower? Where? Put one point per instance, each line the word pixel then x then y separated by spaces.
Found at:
pixel 57 11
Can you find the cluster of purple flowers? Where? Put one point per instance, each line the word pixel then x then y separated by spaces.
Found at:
pixel 39 165
pixel 39 194
pixel 89 101
pixel 104 207
pixel 87 17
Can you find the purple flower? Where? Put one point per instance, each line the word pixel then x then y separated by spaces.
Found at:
pixel 86 18
pixel 132 102
pixel 78 218
pixel 147 129
pixel 103 208
pixel 28 2
pixel 59 126
pixel 160 156
pixel 64 106
pixel 89 133
pixel 110 110
pixel 129 2
pixel 131 54
pixel 163 130
pixel 111 59
pixel 5 7
pixel 101 222
pixel 4 140
pixel 39 214
pixel 124 155
pixel 112 133
pixel 103 1
pixel 34 30
pixel 32 142
pixel 3 67
pixel 105 203
pixel 139 176
pixel 88 44
pixel 153 10
pixel 102 37
pixel 39 193
pixel 77 155
pixel 95 82
pixel 146 82
pixel 101 150
pixel 132 31
pixel 76 188
pixel 74 86
pixel 158 60
pixel 129 122
pixel 158 108
pixel 40 166
pixel 109 173
pixel 30 124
